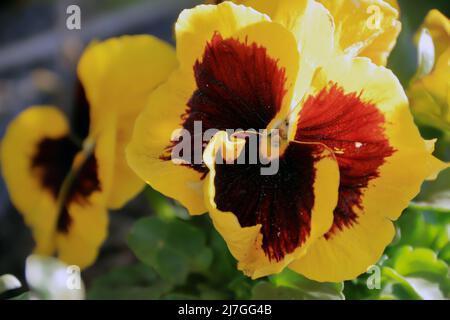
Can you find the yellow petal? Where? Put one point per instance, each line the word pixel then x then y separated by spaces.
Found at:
pixel 118 75
pixel 312 26
pixel 195 27
pixel 367 28
pixel 88 230
pixel 349 253
pixel 245 243
pixel 341 257
pixel 104 138
pixel 20 143
pixel 439 27
pixel 152 135
pixel 310 22
pixel 430 95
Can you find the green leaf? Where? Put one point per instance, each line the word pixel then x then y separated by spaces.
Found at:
pixel 180 296
pixel 409 261
pixel 292 286
pixel 172 247
pixel 268 291
pixel 163 206
pixel 171 265
pixel 136 282
pixel 422 229
pixel 241 286
pixel 8 282
pixel 395 286
pixel 444 254
pixel 419 272
pixel 207 292
pixel 224 265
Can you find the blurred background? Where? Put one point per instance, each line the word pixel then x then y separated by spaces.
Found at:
pixel 38 57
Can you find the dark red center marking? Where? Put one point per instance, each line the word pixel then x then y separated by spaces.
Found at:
pixel 54 157
pixel 281 203
pixel 354 129
pixel 80 113
pixel 238 87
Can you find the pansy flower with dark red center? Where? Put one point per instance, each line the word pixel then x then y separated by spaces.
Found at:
pixel 63 176
pixel 349 157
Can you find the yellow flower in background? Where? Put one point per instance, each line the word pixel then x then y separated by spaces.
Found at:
pixel 366 28
pixel 439 27
pixel 64 176
pixel 347 140
pixel 429 91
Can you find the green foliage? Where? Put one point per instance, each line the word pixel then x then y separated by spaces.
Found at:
pixel 189 260
pixel 416 266
pixel 172 247
pixel 415 274
pixel 423 230
pixel 196 264
pixel 163 207
pixel 289 285
pixel 188 255
pixel 136 282
pixel 183 257
pixel 444 253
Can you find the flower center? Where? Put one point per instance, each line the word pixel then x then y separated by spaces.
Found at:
pixel 239 87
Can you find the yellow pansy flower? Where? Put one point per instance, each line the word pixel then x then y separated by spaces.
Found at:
pixel 346 140
pixel 429 91
pixel 63 176
pixel 366 28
